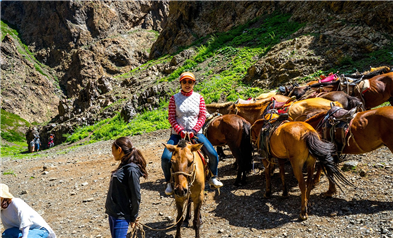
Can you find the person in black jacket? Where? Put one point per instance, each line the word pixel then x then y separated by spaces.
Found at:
pixel 123 199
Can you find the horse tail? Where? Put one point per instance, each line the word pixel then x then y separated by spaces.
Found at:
pixel 246 147
pixel 322 151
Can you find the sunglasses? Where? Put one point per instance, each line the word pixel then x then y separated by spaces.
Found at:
pixel 185 82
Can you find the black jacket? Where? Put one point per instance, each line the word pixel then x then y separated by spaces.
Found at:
pixel 124 195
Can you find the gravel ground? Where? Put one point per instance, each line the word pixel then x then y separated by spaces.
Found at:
pixel 68 187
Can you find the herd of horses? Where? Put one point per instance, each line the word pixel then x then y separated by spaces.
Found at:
pixel 314 131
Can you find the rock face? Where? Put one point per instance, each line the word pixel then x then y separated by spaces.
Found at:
pixel 24 90
pixel 345 21
pixel 84 43
pixel 339 31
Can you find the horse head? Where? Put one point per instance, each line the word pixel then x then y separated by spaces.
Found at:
pixel 299 91
pixel 355 102
pixel 183 166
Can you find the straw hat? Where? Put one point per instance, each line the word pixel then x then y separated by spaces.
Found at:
pixel 4 191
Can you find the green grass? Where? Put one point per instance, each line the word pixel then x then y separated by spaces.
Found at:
pixel 15 150
pixel 9 127
pixel 9 172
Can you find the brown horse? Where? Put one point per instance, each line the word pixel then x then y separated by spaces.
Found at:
pixel 300 144
pixel 188 175
pixel 381 90
pixel 222 108
pixel 347 102
pixel 253 111
pixel 368 131
pixel 301 110
pixel 234 131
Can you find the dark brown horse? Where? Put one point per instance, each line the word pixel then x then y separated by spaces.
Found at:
pixel 234 131
pixel 188 176
pixel 300 144
pixel 368 131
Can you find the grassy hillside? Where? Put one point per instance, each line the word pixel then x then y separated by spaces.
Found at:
pixel 12 131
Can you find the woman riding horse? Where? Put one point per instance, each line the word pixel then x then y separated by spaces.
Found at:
pixel 187 114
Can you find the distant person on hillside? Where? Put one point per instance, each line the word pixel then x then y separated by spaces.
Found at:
pixel 51 142
pixel 37 144
pixel 187 114
pixel 19 219
pixel 32 145
pixel 124 196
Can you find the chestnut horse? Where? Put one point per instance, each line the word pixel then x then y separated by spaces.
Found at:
pixel 300 144
pixel 188 176
pixel 381 90
pixel 368 131
pixel 234 131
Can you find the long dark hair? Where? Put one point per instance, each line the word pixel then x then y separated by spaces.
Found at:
pixel 131 154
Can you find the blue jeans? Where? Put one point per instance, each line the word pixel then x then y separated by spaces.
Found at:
pixel 33 233
pixel 118 227
pixel 37 147
pixel 207 147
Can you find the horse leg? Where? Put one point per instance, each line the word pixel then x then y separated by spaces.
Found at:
pixel 188 214
pixel 282 175
pixel 220 153
pixel 317 176
pixel 197 216
pixel 297 171
pixel 238 156
pixel 179 206
pixel 267 165
pixel 310 174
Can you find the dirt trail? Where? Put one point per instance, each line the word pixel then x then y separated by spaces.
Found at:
pixel 70 194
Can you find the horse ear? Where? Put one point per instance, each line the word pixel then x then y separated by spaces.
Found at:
pixel 170 147
pixel 196 147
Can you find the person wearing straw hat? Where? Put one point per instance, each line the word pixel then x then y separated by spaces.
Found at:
pixel 19 219
pixel 187 114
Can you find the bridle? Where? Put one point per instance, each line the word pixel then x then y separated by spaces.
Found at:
pixel 190 176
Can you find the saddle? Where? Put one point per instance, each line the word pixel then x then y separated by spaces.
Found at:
pixel 340 119
pixel 280 107
pixel 209 120
pixel 272 121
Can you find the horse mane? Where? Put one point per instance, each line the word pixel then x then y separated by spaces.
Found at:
pixel 220 105
pixel 182 143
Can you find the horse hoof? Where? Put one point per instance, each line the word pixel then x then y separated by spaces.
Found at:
pixel 303 217
pixel 285 195
pixel 267 195
pixel 329 194
pixel 185 224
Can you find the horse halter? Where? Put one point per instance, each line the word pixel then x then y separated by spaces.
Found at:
pixel 190 176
